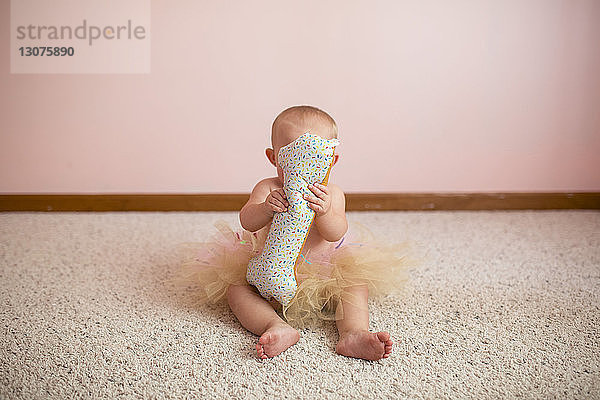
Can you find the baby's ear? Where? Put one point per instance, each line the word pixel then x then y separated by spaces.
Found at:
pixel 270 155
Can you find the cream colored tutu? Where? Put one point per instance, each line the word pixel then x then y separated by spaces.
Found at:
pixel 357 259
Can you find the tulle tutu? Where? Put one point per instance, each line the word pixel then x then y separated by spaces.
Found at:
pixel 323 276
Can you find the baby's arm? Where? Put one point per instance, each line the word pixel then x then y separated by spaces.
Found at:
pixel 330 219
pixel 261 206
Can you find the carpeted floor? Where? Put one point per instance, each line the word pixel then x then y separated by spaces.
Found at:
pixel 505 305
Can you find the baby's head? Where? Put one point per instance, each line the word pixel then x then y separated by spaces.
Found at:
pixel 294 122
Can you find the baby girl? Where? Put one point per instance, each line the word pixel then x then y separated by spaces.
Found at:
pixel 259 315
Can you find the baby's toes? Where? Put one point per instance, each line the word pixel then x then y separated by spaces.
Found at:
pixel 388 345
pixel 266 338
pixel 260 352
pixel 383 336
pixel 387 351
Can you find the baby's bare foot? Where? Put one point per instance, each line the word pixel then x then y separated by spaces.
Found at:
pixel 275 340
pixel 366 345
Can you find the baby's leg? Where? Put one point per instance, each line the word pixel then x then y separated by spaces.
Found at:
pixel 259 317
pixel 355 338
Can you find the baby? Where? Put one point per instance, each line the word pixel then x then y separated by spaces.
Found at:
pixel 258 315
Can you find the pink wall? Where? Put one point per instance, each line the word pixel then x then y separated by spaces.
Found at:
pixel 430 96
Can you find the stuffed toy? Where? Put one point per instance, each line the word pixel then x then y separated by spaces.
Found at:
pixel 306 160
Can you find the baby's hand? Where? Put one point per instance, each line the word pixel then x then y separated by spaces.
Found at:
pixel 321 201
pixel 277 201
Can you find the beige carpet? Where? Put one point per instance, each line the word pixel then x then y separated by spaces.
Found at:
pixel 506 305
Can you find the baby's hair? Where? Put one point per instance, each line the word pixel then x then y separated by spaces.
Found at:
pixel 303 117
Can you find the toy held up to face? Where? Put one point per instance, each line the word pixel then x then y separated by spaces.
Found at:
pixel 306 160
